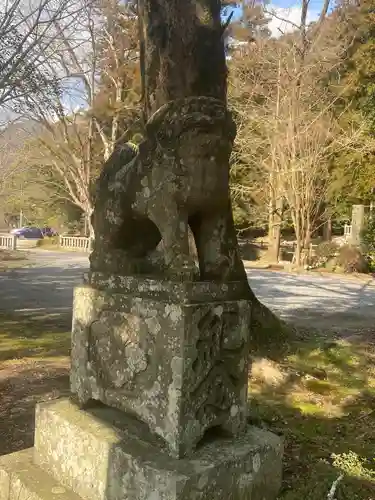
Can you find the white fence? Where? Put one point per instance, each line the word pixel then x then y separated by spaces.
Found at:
pixel 8 241
pixel 347 230
pixel 78 243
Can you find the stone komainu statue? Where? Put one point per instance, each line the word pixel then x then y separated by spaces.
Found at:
pixel 178 178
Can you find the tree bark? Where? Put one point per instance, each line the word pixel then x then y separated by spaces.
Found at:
pixel 327 229
pixel 182 49
pixel 274 230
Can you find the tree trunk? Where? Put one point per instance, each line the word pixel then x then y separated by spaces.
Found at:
pixel 90 226
pixel 298 230
pixel 274 230
pixel 297 253
pixel 182 48
pixel 327 229
pixel 306 246
pixel 182 55
pixel 274 238
pixel 307 236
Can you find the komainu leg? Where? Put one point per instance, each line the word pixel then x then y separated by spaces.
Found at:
pixel 173 227
pixel 217 246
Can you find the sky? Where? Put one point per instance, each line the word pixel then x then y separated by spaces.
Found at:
pixel 291 10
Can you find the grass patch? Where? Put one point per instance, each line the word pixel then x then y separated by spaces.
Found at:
pixel 34 335
pixel 10 259
pixel 321 397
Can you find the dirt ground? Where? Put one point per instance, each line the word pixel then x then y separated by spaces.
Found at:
pixel 23 383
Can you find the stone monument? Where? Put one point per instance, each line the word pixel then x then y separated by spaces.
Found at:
pixel 160 340
pixel 358 224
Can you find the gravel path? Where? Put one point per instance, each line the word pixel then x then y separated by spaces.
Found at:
pixel 47 286
pixel 318 301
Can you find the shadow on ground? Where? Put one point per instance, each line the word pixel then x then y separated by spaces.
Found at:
pixel 36 311
pixel 34 366
pixel 316 301
pixel 42 289
pixel 22 385
pixel 321 397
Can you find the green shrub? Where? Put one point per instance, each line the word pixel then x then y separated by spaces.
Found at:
pixel 325 252
pixel 46 241
pixel 249 251
pixel 368 242
pixel 354 465
pixel 368 236
pixel 352 260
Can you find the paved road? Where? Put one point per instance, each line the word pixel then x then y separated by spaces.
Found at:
pixel 48 284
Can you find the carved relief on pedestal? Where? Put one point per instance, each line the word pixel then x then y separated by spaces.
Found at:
pixel 219 368
pixel 115 354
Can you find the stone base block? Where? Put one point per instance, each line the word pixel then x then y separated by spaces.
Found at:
pixel 173 354
pixel 21 479
pixel 102 454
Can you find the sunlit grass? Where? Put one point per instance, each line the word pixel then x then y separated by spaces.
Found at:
pixel 323 402
pixel 33 335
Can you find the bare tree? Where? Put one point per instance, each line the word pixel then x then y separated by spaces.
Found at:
pixel 27 35
pixel 304 132
pixel 89 59
pixel 27 31
pixel 116 48
pixel 14 149
pixel 251 87
pixel 289 119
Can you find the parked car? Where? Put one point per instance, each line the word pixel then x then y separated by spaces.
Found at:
pixel 18 230
pixel 28 232
pixel 34 232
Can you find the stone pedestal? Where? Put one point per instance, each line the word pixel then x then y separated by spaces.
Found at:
pixel 173 354
pixel 102 454
pixel 167 363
